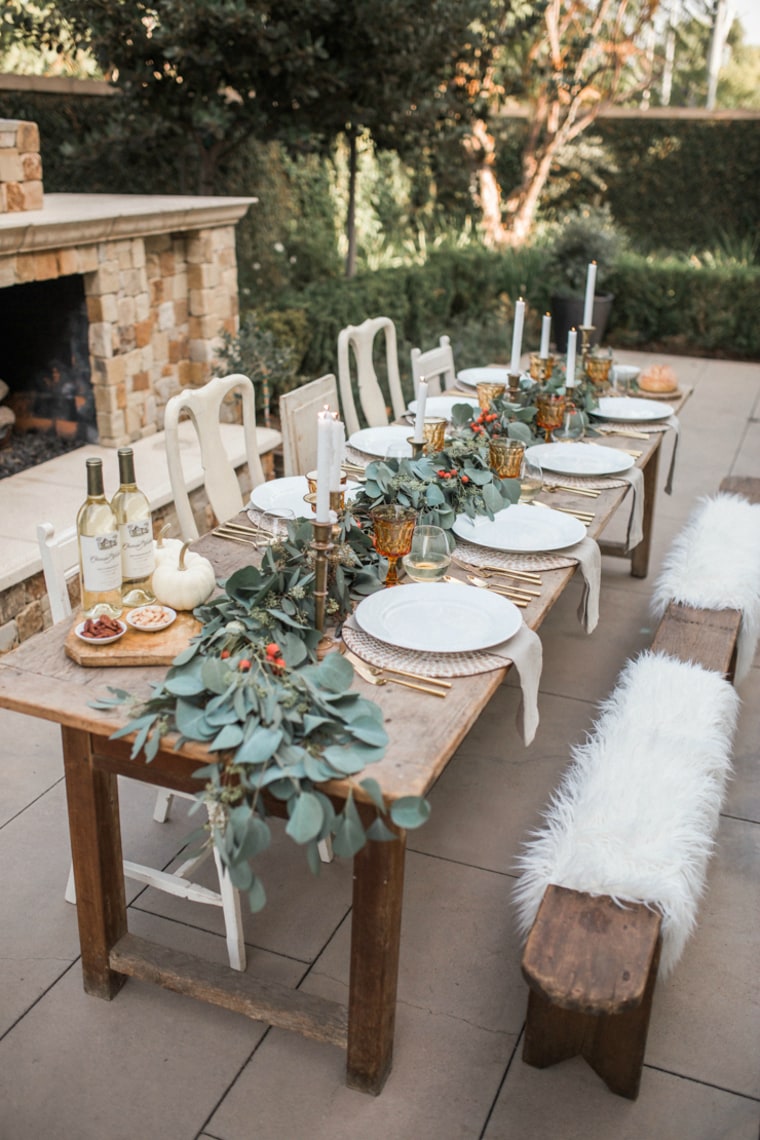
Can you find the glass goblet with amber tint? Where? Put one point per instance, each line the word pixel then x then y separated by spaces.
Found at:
pixel 393 528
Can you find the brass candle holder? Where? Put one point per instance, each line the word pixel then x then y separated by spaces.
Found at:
pixel 585 331
pixel 417 446
pixel 541 367
pixel 321 545
pixel 513 384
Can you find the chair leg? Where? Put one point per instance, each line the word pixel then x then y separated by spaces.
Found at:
pixel 325 849
pixel 70 893
pixel 233 920
pixel 163 805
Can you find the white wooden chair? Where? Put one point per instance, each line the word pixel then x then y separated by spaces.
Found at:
pixel 436 366
pixel 203 406
pixel 360 339
pixel 298 422
pixel 59 563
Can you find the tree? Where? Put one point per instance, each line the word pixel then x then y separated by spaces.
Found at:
pixel 583 54
pixel 203 75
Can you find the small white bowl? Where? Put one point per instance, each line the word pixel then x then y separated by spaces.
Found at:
pixel 100 640
pixel 133 618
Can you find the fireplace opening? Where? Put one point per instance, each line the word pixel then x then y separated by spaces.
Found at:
pixel 44 361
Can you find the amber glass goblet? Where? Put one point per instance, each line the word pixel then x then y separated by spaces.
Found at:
pixel 393 527
pixel 550 412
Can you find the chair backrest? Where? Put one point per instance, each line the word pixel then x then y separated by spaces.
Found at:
pixel 298 422
pixel 360 338
pixel 60 560
pixel 203 406
pixel 436 366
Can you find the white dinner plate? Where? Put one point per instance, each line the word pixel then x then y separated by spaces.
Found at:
pixel 100 640
pixel 471 377
pixel 377 440
pixel 288 495
pixel 580 458
pixel 441 405
pixel 630 408
pixel 521 529
pixel 438 617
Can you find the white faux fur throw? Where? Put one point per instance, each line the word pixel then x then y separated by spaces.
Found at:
pixel 636 811
pixel 714 564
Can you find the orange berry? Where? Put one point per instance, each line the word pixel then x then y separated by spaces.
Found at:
pixel 224 654
pixel 244 665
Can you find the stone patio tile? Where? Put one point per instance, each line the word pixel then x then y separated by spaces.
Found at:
pixel 460 955
pixel 32 761
pixel 445 1075
pixel 493 791
pixel 149 1063
pixel 743 792
pixel 706 1017
pixel 568 1101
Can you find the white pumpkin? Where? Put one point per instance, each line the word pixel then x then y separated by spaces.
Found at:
pixel 184 580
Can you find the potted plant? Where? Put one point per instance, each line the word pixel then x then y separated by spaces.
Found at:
pixel 585 235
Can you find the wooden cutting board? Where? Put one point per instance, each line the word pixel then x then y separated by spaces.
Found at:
pixel 136 647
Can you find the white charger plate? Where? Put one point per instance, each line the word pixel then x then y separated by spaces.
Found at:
pixel 100 640
pixel 471 377
pixel 377 440
pixel 631 409
pixel 441 405
pixel 521 529
pixel 580 459
pixel 287 494
pixel 440 617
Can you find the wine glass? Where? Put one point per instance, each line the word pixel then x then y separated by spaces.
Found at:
pixel 573 426
pixel 393 527
pixel 531 479
pixel 429 557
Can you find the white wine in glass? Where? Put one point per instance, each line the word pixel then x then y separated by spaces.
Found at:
pixel 429 558
pixel 531 479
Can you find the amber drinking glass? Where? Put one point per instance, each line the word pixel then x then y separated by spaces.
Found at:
pixel 393 528
pixel 550 412
pixel 505 456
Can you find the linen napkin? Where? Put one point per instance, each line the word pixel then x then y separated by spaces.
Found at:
pixel 635 477
pixel 590 561
pixel 526 653
pixel 672 422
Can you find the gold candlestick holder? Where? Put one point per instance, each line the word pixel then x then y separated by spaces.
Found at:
pixel 586 331
pixel 541 367
pixel 417 446
pixel 321 545
pixel 513 384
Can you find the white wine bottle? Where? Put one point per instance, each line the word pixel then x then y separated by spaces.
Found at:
pixel 133 518
pixel 99 551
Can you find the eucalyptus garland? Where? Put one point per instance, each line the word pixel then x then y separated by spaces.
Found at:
pixel 274 719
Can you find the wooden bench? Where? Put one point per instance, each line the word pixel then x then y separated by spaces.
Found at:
pixel 590 963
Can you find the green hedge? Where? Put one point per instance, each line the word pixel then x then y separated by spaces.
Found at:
pixel 671 305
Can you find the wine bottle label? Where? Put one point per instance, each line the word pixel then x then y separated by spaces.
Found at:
pixel 101 561
pixel 137 557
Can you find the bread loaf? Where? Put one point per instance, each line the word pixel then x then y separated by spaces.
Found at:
pixel 658 378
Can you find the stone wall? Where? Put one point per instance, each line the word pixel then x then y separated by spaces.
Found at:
pixel 20 166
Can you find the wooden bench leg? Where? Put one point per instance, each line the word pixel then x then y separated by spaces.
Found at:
pixel 640 553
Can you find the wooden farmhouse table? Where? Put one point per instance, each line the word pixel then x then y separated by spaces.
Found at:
pixel 40 680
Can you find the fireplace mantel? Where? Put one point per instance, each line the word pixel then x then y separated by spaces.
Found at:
pixel 81 219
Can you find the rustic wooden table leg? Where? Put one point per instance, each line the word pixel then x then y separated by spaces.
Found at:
pixel 640 553
pixel 93 804
pixel 375 940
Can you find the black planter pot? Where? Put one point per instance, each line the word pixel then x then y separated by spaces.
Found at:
pixel 567 313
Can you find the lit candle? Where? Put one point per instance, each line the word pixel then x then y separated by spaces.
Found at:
pixel 546 324
pixel 517 332
pixel 572 338
pixel 588 307
pixel 324 455
pixel 419 419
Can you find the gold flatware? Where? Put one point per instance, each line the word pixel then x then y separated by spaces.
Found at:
pixel 518 589
pixel 626 450
pixel 629 433
pixel 585 517
pixel 230 537
pixel 523 575
pixel 495 588
pixel 588 492
pixel 366 673
pixel 416 676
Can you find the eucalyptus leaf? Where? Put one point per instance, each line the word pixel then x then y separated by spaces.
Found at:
pixel 349 837
pixel 410 812
pixel 259 745
pixel 230 736
pixel 191 721
pixel 374 791
pixel 380 832
pixel 306 821
pixel 257 898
